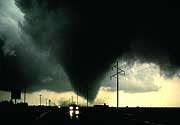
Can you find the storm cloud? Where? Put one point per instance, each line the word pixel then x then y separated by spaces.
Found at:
pixel 140 77
pixel 86 38
pixel 22 63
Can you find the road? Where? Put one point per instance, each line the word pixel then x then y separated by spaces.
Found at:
pixel 111 116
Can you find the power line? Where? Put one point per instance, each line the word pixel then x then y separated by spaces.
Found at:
pixel 116 75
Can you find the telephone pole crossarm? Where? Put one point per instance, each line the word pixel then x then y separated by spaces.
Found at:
pixel 120 70
pixel 119 73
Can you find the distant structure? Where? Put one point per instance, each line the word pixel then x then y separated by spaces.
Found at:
pixel 40 99
pixel 100 107
pixel 116 75
pixel 15 94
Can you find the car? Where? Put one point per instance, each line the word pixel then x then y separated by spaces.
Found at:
pixel 74 111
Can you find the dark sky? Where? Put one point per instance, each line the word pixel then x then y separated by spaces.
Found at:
pixel 87 37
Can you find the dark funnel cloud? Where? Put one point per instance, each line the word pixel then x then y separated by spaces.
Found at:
pixel 87 37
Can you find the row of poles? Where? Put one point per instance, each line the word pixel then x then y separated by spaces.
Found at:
pixel 40 99
pixel 47 101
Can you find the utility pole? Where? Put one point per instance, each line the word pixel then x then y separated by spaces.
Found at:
pixel 25 94
pixel 87 95
pixel 116 75
pixel 15 101
pixel 77 99
pixel 72 99
pixel 46 101
pixel 40 99
pixel 49 102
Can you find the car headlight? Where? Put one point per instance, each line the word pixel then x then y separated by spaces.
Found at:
pixel 76 112
pixel 71 107
pixel 71 113
pixel 77 107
